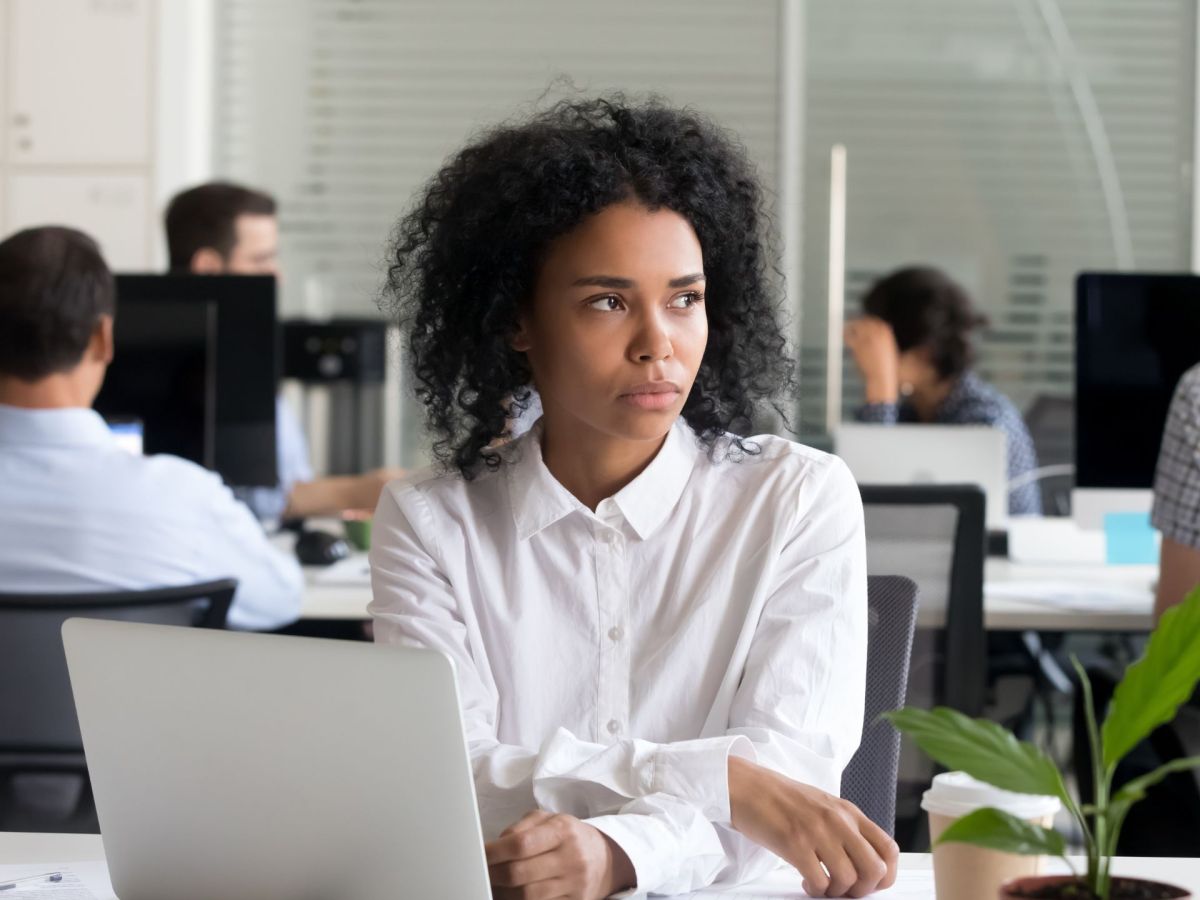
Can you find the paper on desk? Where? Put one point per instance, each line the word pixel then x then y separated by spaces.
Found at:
pixel 915 884
pixel 1073 595
pixel 91 884
pixel 353 569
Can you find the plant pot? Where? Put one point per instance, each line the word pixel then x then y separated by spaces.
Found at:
pixel 1068 887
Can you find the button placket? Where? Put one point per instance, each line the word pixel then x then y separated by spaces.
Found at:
pixel 614 660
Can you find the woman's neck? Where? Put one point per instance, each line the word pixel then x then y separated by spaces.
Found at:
pixel 593 466
pixel 927 399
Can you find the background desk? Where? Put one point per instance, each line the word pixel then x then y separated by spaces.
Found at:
pixel 1016 596
pixel 56 849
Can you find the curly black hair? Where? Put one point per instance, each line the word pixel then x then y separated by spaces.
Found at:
pixel 466 257
pixel 927 308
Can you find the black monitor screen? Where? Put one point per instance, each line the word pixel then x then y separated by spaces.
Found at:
pixel 196 360
pixel 164 373
pixel 1135 337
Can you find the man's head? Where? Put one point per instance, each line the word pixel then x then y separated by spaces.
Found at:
pixel 57 301
pixel 223 229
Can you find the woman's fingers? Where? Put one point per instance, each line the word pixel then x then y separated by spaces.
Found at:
pixel 870 867
pixel 886 847
pixel 529 837
pixel 815 878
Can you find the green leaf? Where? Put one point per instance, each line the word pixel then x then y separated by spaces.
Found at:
pixel 1135 790
pixel 1003 831
pixel 1155 685
pixel 982 749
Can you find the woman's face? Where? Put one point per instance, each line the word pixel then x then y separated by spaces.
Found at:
pixel 616 327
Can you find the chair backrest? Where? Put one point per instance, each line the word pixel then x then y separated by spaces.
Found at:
pixel 1051 423
pixel 36 705
pixel 934 534
pixel 869 780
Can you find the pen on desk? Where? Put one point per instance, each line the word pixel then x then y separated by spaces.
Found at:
pixel 49 876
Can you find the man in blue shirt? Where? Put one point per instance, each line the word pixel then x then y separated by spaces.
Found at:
pixel 79 512
pixel 221 228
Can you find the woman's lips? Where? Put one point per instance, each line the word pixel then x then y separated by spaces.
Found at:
pixel 652 395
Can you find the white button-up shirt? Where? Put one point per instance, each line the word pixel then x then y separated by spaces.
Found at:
pixel 609 662
pixel 79 513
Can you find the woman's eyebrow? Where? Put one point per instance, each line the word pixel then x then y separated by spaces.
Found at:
pixel 608 281
pixel 612 281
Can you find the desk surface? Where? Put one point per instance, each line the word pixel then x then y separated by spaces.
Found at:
pixel 1017 596
pixel 30 849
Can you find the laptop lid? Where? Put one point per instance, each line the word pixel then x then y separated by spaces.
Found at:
pixel 930 454
pixel 244 765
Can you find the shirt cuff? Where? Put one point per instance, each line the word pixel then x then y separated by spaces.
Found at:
pixel 697 772
pixel 644 841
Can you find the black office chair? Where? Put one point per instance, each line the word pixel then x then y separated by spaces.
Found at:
pixel 1051 423
pixel 869 780
pixel 40 744
pixel 935 535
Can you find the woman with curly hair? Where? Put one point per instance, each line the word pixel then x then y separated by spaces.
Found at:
pixel 658 626
pixel 913 347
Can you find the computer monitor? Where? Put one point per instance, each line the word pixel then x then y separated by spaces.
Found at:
pixel 1135 336
pixel 196 360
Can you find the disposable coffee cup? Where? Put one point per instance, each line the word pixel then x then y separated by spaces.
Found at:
pixel 967 872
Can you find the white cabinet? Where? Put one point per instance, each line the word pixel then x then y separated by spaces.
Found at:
pixel 79 74
pixel 115 209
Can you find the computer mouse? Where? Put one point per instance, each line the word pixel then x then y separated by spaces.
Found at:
pixel 320 548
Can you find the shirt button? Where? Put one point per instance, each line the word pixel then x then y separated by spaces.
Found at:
pixel 616 633
pixel 613 726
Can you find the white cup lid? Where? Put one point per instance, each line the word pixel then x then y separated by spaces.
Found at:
pixel 955 794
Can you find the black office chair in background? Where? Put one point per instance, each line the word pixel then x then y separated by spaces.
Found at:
pixel 934 535
pixel 869 780
pixel 1051 423
pixel 43 774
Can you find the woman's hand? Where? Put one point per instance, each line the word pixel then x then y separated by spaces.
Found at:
pixel 873 345
pixel 838 850
pixel 547 856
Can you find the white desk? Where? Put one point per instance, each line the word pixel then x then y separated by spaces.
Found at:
pixel 1093 597
pixel 34 850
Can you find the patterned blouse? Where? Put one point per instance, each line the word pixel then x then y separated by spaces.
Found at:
pixel 973 401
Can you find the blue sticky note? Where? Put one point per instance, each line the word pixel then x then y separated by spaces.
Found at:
pixel 1129 539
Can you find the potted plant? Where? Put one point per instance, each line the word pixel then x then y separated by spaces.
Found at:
pixel 1149 695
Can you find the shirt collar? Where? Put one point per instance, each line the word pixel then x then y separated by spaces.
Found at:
pixel 72 426
pixel 538 500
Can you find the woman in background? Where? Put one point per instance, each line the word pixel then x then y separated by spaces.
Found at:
pixel 913 347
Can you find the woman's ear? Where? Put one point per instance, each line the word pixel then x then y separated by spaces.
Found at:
pixel 519 340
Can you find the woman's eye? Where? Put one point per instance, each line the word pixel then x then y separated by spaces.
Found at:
pixel 685 301
pixel 607 303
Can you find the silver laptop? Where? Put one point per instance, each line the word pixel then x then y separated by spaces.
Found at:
pixel 280 768
pixel 930 454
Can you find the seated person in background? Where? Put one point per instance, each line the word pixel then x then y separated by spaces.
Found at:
pixel 913 348
pixel 1177 495
pixel 226 229
pixel 658 626
pixel 79 512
